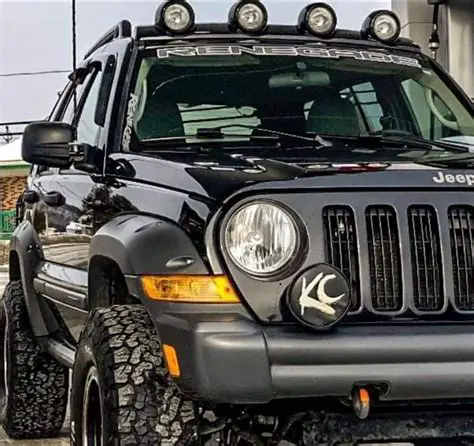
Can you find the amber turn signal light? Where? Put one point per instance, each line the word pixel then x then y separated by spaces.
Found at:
pixel 171 358
pixel 191 289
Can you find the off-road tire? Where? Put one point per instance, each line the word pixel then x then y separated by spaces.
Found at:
pixel 37 384
pixel 139 404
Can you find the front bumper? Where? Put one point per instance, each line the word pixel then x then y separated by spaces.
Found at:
pixel 238 361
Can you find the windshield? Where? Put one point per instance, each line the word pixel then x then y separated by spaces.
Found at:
pixel 244 91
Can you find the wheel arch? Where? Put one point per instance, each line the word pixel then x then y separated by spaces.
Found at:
pixel 107 284
pixel 133 245
pixel 25 256
pixel 14 270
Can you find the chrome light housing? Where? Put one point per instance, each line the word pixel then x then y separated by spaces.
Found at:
pixel 248 16
pixel 175 16
pixel 262 238
pixel 382 25
pixel 319 19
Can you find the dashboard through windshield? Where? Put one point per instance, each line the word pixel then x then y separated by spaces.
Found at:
pixel 245 91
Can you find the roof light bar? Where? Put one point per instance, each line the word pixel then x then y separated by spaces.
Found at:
pixel 175 17
pixel 248 16
pixel 382 25
pixel 319 19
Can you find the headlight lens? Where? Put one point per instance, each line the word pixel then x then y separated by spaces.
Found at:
pixel 261 238
pixel 385 27
pixel 320 20
pixel 382 25
pixel 250 16
pixel 177 17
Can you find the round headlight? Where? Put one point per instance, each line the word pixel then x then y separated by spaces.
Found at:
pixel 262 238
pixel 318 19
pixel 176 16
pixel 250 16
pixel 382 25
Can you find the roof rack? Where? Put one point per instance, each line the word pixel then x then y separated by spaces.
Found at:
pixel 207 30
pixel 122 30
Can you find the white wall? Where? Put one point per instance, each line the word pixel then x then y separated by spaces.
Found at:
pixel 461 42
pixel 416 18
pixel 456 31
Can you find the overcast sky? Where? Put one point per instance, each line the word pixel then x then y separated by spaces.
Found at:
pixel 36 36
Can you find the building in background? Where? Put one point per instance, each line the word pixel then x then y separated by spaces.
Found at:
pixel 13 175
pixel 456 32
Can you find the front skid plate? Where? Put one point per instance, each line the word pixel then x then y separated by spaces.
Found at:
pixel 331 429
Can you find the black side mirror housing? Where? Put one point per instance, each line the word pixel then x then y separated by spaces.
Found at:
pixel 48 144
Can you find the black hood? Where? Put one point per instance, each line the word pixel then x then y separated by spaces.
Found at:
pixel 217 177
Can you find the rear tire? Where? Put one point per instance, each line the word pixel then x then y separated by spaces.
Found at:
pixel 121 390
pixel 34 386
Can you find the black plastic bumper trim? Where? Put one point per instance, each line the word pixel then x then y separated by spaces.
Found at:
pixel 238 361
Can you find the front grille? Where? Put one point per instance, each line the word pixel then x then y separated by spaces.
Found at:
pixel 426 259
pixel 340 240
pixel 406 262
pixel 461 229
pixel 384 259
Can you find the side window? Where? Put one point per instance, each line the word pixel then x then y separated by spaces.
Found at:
pixel 64 113
pixel 68 115
pixel 428 123
pixel 88 131
pixel 59 101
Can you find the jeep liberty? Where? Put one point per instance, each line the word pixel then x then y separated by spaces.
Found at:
pixel 244 233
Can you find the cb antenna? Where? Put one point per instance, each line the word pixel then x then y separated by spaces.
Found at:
pixel 434 41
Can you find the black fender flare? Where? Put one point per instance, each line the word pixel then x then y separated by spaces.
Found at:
pixel 142 244
pixel 26 244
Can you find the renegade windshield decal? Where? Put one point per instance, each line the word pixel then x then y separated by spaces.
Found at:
pixel 131 110
pixel 442 178
pixel 265 50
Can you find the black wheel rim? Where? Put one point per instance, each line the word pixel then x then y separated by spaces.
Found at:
pixel 92 427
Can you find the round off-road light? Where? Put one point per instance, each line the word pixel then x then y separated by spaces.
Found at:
pixel 175 16
pixel 382 25
pixel 248 16
pixel 318 19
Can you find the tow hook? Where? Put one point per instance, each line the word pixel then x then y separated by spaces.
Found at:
pixel 360 402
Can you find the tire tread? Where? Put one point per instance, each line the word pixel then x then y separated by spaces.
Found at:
pixel 38 390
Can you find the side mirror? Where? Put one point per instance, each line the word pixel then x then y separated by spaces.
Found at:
pixel 48 144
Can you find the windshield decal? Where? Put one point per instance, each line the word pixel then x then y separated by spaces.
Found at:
pixel 454 179
pixel 131 110
pixel 280 50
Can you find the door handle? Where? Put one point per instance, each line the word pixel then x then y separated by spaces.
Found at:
pixel 54 199
pixel 30 197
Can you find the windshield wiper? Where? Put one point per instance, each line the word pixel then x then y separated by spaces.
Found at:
pixel 408 137
pixel 263 130
pixel 210 138
pixel 459 161
pixel 380 142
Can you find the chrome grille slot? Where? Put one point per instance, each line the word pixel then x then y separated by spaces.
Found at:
pixel 461 229
pixel 426 261
pixel 340 241
pixel 384 259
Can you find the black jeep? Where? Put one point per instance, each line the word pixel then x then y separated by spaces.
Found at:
pixel 243 233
